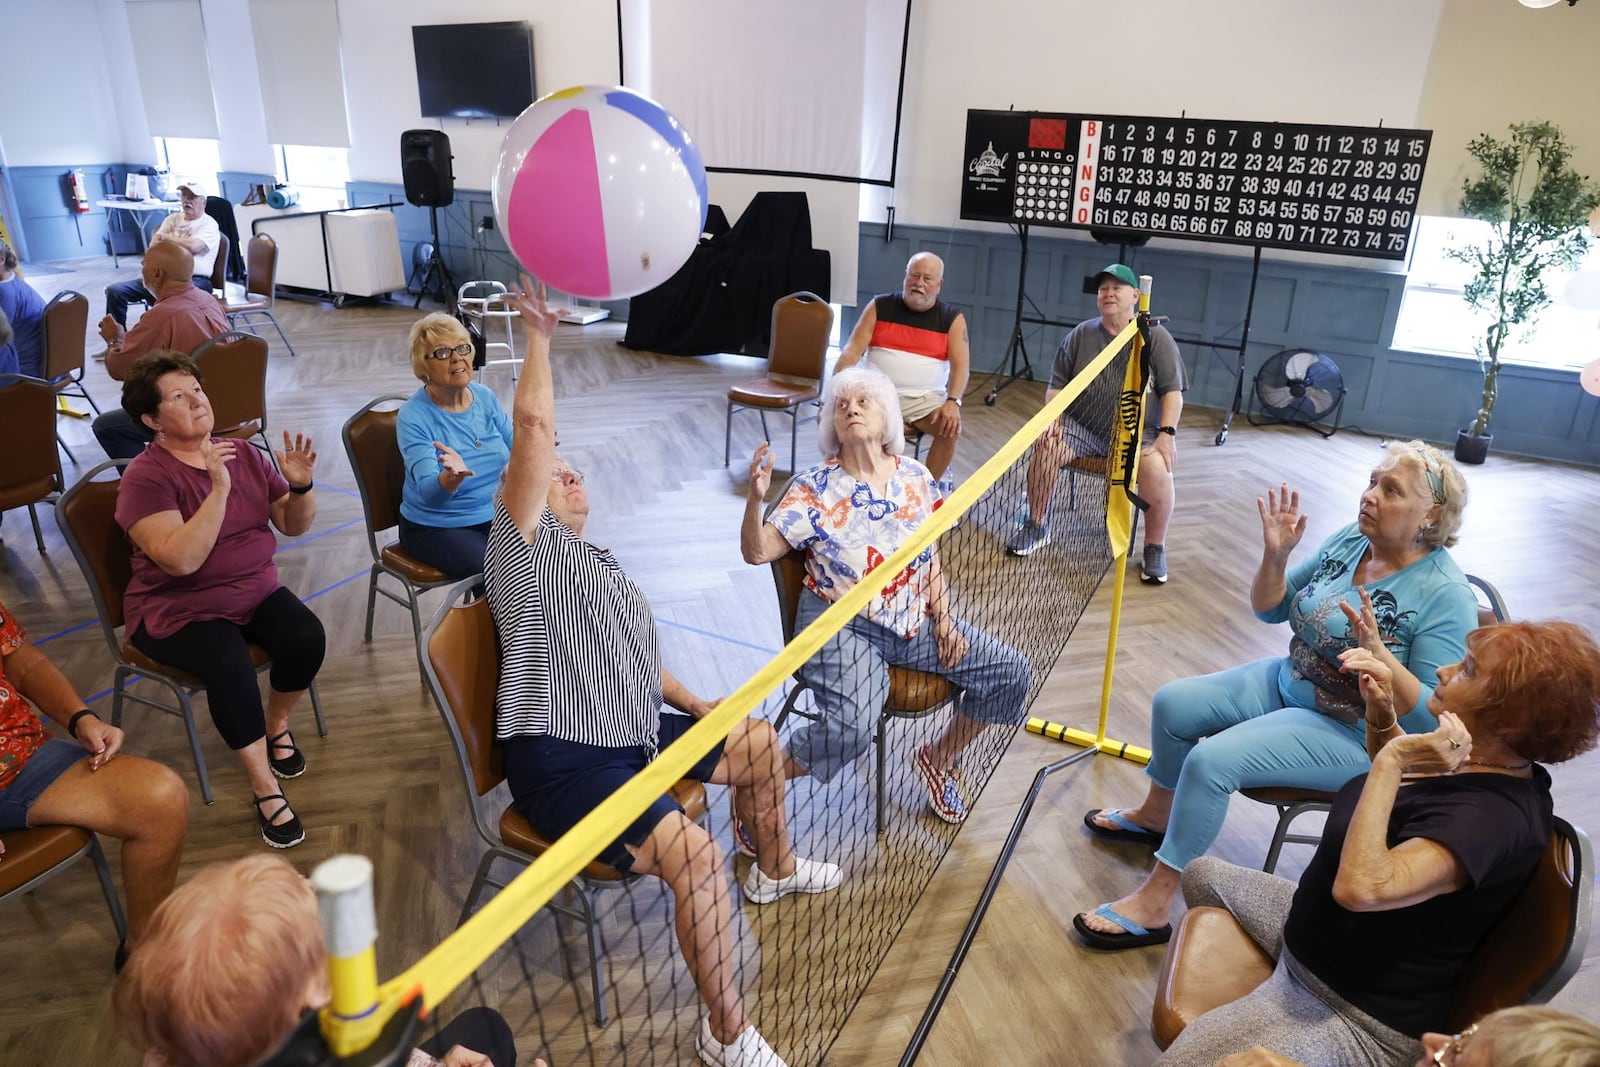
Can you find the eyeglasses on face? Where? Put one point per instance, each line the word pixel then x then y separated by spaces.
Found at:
pixel 566 476
pixel 464 349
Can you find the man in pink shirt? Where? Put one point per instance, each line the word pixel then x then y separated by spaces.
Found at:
pixel 181 319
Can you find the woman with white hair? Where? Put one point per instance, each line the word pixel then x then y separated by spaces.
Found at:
pixel 848 515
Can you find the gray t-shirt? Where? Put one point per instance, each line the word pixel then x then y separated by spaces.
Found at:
pixel 1095 409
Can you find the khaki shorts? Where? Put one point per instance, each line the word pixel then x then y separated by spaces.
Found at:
pixel 915 407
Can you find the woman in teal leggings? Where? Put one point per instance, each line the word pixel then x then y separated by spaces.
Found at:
pixel 1385 583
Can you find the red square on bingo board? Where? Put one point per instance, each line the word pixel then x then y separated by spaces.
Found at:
pixel 1047 133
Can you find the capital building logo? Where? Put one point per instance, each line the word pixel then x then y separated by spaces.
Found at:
pixel 987 164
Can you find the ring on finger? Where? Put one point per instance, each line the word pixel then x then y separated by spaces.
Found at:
pixel 1454 743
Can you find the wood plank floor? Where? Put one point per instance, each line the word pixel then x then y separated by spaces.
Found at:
pixel 647 431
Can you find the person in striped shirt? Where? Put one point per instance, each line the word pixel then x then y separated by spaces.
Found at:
pixel 579 708
pixel 920 342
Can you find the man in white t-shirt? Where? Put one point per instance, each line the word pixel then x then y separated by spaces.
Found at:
pixel 190 228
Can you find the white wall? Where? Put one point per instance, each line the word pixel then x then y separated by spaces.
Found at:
pixel 62 103
pixel 573 44
pixel 1352 62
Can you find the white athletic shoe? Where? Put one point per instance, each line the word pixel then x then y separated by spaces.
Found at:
pixel 809 876
pixel 748 1050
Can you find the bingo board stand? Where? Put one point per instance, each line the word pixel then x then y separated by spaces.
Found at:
pixel 1239 349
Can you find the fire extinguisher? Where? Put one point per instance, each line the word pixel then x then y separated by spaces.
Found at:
pixel 80 192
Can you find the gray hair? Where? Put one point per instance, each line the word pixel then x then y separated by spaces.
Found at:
pixel 876 384
pixel 1439 479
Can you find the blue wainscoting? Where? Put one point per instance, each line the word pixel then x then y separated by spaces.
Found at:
pixel 47 226
pixel 1346 312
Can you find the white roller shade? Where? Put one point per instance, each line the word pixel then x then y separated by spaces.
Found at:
pixel 169 50
pixel 302 77
pixel 775 88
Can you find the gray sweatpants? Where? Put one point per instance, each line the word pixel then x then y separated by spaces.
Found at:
pixel 1292 1012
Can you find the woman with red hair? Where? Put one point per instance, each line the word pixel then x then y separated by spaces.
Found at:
pixel 1419 859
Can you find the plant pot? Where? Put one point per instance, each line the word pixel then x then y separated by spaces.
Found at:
pixel 1470 449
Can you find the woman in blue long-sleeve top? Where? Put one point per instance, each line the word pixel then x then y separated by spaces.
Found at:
pixel 455 440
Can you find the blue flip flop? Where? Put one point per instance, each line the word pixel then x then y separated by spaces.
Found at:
pixel 1136 937
pixel 1127 829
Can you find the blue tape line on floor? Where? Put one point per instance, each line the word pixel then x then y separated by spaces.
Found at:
pixel 720 637
pixel 62 633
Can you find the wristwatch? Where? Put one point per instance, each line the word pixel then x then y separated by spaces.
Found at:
pixel 1173 430
pixel 957 399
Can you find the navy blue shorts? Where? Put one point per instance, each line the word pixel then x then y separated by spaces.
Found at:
pixel 48 763
pixel 556 783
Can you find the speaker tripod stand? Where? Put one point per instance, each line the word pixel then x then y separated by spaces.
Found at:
pixel 438 272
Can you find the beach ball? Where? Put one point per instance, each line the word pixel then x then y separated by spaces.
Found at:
pixel 599 192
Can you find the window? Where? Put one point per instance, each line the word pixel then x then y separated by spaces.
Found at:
pixel 190 157
pixel 1434 318
pixel 319 174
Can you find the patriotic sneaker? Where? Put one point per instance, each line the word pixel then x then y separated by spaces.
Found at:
pixel 944 796
pixel 749 1049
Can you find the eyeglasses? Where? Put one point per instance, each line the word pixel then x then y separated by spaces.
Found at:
pixel 566 476
pixel 464 349
pixel 1458 1044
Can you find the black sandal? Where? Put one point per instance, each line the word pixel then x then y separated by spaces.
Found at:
pixel 291 766
pixel 279 835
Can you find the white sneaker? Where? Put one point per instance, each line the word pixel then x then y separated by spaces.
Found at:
pixel 809 877
pixel 748 1050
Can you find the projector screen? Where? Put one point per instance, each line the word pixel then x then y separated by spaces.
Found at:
pixel 801 90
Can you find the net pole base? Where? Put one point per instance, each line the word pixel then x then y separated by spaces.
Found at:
pixel 1073 736
pixel 64 408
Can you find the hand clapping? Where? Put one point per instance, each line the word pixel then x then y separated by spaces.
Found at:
pixel 218 453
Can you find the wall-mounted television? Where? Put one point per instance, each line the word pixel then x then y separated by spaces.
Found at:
pixel 474 70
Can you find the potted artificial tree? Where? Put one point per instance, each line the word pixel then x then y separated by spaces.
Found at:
pixel 1538 205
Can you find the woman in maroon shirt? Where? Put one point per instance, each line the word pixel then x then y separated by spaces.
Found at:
pixel 204 587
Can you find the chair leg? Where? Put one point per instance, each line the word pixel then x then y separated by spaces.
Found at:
pixel 194 744
pixel 477 887
pixel 416 629
pixel 794 437
pixel 766 434
pixel 73 459
pixel 372 600
pixel 316 710
pixel 591 922
pixel 882 743
pixel 85 394
pixel 727 436
pixel 116 695
pixel 274 320
pixel 38 534
pixel 1278 834
pixel 108 887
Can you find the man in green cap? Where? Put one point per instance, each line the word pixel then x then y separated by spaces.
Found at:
pixel 1085 430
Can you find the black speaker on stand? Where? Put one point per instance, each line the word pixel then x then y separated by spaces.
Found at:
pixel 430 183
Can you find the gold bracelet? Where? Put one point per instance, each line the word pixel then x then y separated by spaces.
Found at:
pixel 1392 723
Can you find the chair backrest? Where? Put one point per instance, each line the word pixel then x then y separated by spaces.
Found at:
pixel 801 323
pixel 1491 606
pixel 373 446
pixel 1538 944
pixel 234 368
pixel 86 513
pixel 462 664
pixel 219 267
pixel 261 267
pixel 32 470
pixel 66 320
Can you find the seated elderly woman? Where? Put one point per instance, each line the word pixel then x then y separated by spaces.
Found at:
pixel 204 588
pixel 21 320
pixel 579 713
pixel 47 781
pixel 219 985
pixel 1385 582
pixel 455 439
pixel 849 514
pixel 1419 858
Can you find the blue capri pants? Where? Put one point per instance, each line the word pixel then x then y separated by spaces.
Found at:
pixel 1213 735
pixel 849 676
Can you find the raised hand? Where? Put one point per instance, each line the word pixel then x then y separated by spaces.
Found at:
pixel 1364 624
pixel 1377 683
pixel 1443 751
pixel 218 453
pixel 298 460
pixel 761 472
pixel 1282 524
pixel 531 303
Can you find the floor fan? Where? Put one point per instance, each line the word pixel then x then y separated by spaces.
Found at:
pixel 1298 387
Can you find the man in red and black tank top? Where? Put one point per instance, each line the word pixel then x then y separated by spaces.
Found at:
pixel 920 342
